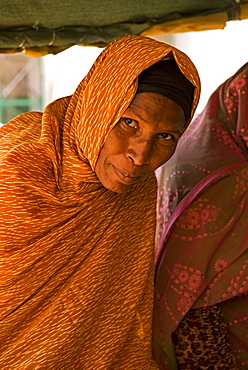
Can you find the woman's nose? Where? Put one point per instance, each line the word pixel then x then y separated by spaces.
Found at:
pixel 139 152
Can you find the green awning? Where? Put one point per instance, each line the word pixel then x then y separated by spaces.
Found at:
pixel 39 27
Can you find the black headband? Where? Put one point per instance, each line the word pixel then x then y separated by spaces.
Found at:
pixel 165 78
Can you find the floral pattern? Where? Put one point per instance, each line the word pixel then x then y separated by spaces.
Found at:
pixel 220 265
pixel 196 217
pixel 202 250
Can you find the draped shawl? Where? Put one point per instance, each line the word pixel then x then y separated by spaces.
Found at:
pixel 77 260
pixel 202 230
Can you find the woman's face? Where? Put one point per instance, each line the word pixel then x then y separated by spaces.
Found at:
pixel 145 137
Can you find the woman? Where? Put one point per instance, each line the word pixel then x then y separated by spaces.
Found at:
pixel 201 304
pixel 78 195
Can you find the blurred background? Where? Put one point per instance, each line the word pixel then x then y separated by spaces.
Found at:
pixel 31 82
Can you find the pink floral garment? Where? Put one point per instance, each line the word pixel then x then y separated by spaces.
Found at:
pixel 202 234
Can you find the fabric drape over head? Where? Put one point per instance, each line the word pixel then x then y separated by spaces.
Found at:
pixel 202 233
pixel 77 260
pixel 165 78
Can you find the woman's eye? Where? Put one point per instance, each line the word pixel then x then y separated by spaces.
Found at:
pixel 166 136
pixel 131 122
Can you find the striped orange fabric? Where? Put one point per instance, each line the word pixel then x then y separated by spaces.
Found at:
pixel 77 260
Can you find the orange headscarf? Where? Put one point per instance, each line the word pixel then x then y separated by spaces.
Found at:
pixel 77 260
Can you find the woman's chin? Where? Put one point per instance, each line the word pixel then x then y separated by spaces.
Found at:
pixel 118 187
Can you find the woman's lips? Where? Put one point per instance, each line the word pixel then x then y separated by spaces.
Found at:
pixel 126 177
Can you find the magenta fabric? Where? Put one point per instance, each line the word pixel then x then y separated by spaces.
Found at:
pixel 202 233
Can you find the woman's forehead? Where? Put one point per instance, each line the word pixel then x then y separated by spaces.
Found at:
pixel 153 108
